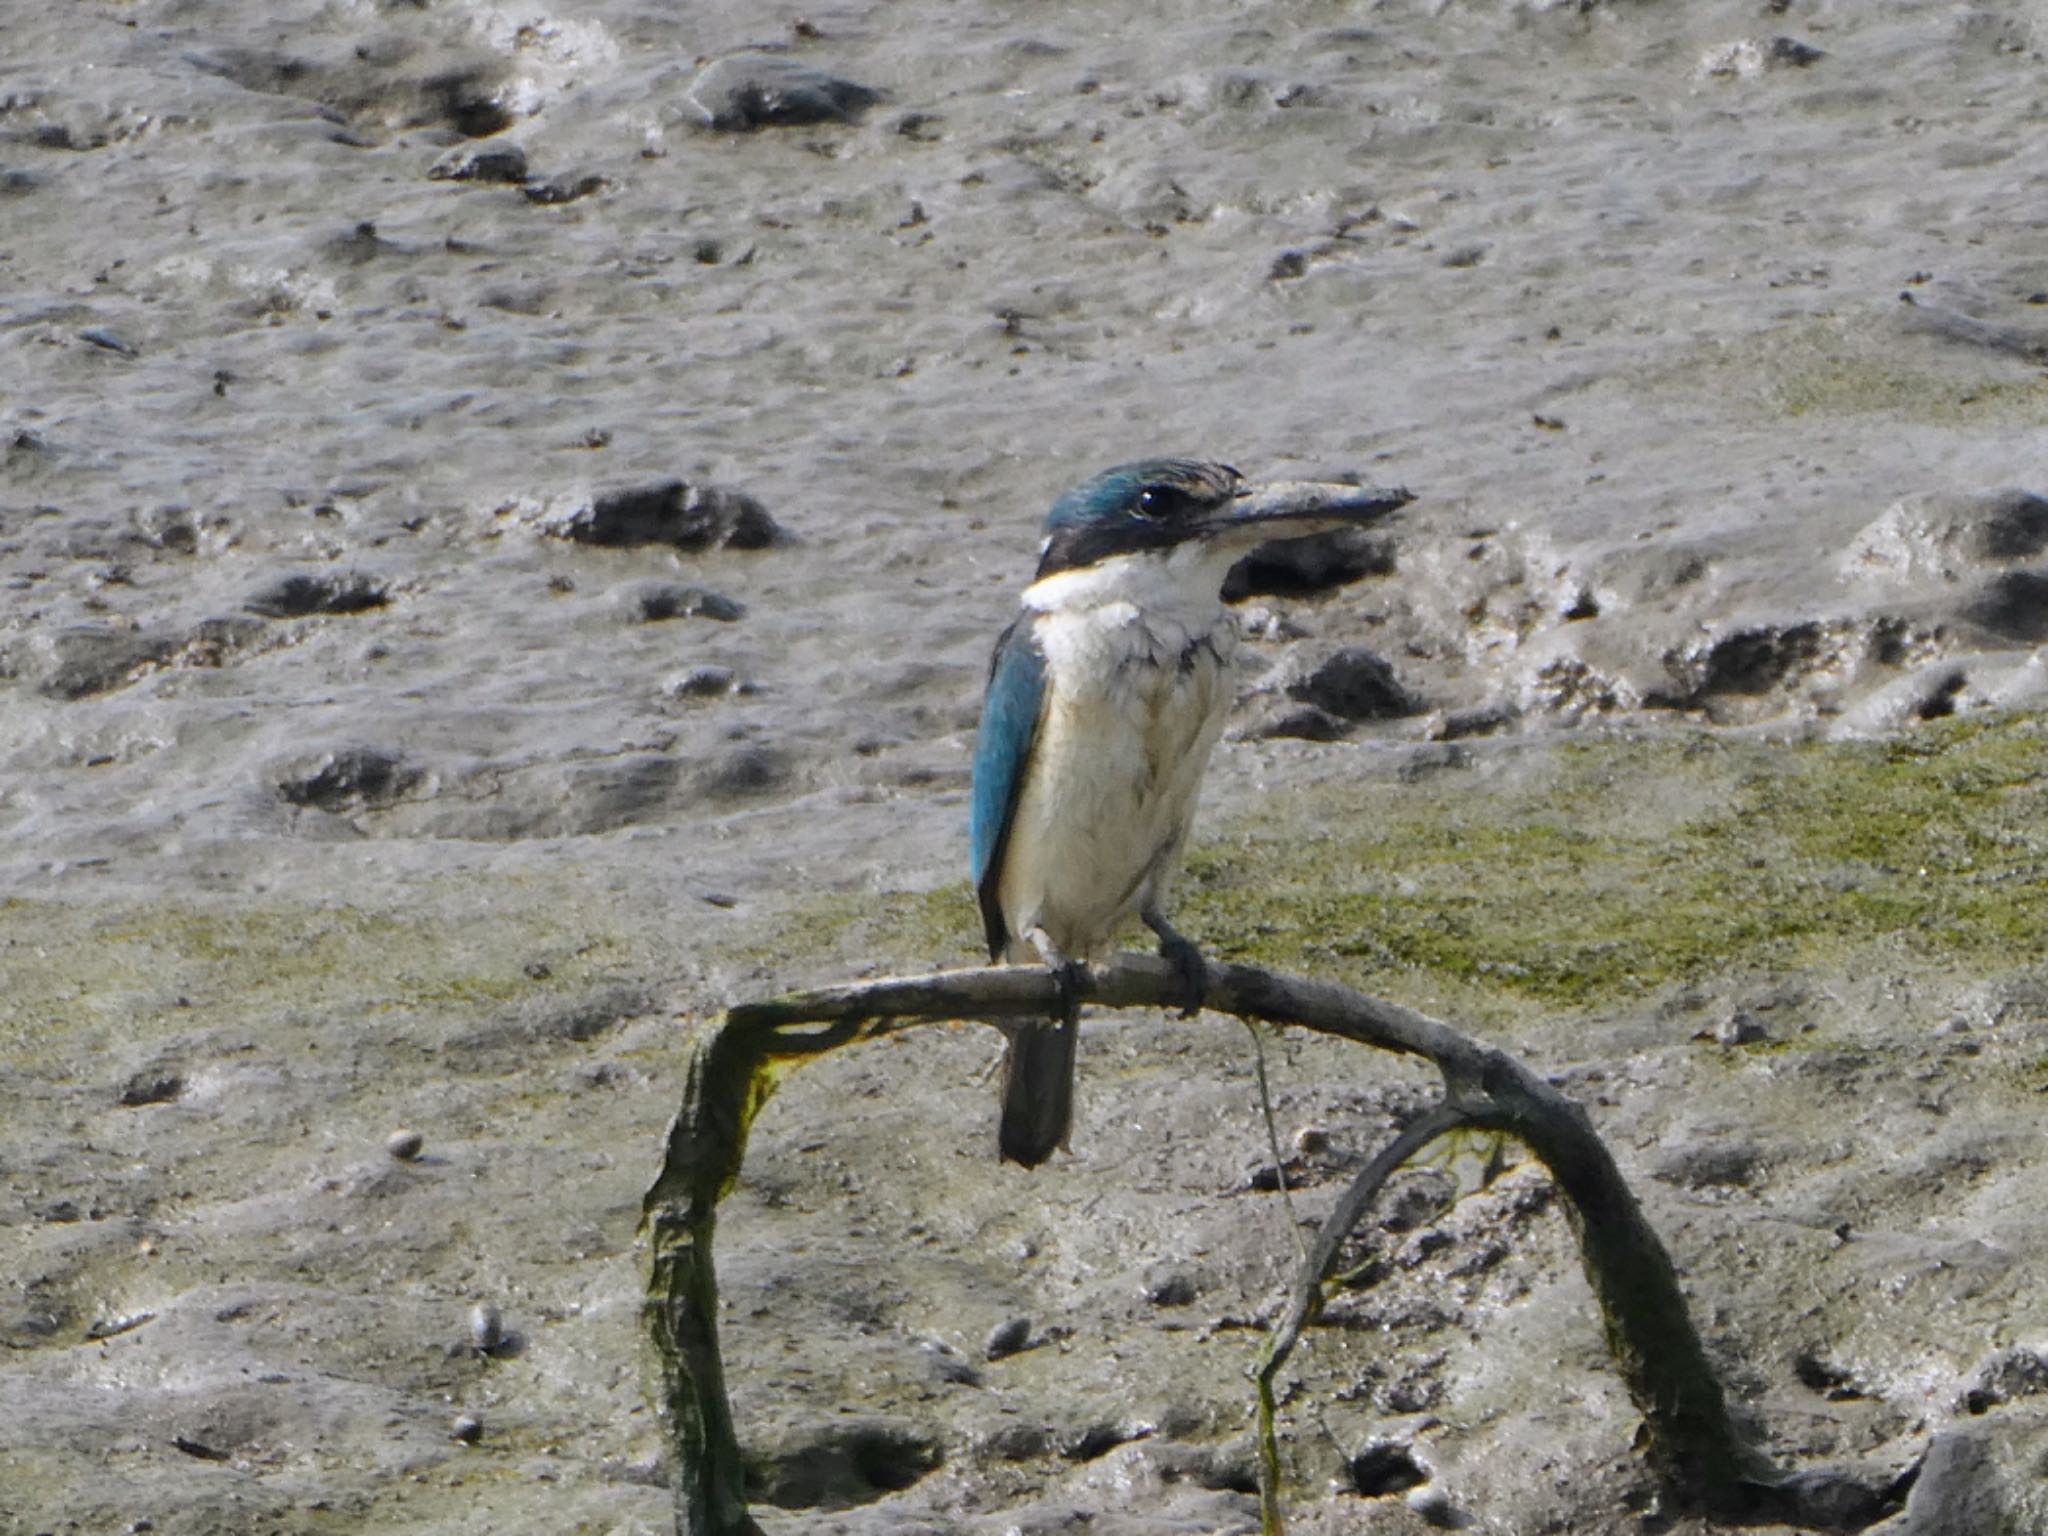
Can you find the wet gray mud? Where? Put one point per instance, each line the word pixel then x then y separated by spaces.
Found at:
pixel 502 515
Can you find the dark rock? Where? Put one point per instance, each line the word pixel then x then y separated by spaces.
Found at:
pixel 1288 265
pixel 1306 567
pixel 746 91
pixel 89 660
pixel 304 593
pixel 1837 1383
pixel 486 161
pixel 567 188
pixel 2012 525
pixel 14 183
pixel 653 602
pixel 466 99
pixel 487 1335
pixel 170 528
pixel 1095 1440
pixel 706 682
pixel 1939 702
pixel 689 517
pixel 837 1463
pixel 1748 662
pixel 1740 1028
pixel 1383 1469
pixel 1008 1337
pixel 151 1086
pixel 1305 724
pixel 1481 720
pixel 1947 535
pixel 1790 50
pixel 1354 684
pixel 107 341
pixel 2014 606
pixel 349 779
pixel 25 449
pixel 1168 1285
pixel 2016 1372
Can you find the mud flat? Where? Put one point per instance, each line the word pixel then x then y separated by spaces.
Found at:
pixel 502 515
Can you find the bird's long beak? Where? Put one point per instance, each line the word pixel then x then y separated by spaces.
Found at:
pixel 1283 509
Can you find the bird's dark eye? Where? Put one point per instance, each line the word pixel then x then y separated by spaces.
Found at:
pixel 1158 502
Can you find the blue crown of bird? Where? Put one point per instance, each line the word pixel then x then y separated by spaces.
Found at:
pixel 1106 695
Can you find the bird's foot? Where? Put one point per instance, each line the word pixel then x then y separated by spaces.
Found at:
pixel 1070 979
pixel 1179 951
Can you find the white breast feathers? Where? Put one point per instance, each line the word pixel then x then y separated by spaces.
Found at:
pixel 1139 674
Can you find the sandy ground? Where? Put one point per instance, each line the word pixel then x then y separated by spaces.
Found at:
pixel 347 787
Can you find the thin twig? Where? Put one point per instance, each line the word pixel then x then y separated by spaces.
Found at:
pixel 1307 1299
pixel 1273 1139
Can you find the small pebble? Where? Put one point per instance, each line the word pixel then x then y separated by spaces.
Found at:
pixel 151 1087
pixel 499 162
pixel 702 683
pixel 468 1428
pixel 404 1145
pixel 1007 1338
pixel 747 91
pixel 105 339
pixel 486 1328
pixel 1168 1286
pixel 1740 1028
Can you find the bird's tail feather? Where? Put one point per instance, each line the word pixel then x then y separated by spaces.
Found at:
pixel 1038 1091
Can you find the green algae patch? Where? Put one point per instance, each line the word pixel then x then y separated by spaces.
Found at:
pixel 829 933
pixel 1612 868
pixel 1587 873
pixel 1833 366
pixel 135 970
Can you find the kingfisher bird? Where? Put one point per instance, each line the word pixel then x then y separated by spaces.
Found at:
pixel 1105 698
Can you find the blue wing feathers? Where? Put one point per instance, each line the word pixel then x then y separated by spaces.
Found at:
pixel 1002 748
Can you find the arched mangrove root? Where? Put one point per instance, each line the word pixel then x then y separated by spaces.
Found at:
pixel 1691 1438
